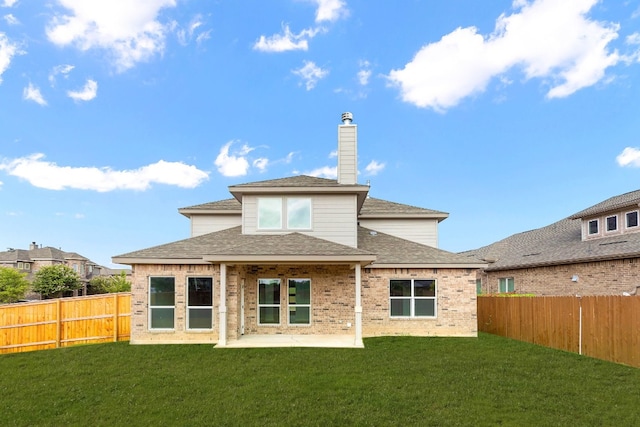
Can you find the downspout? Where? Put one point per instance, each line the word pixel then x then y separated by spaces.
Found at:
pixel 222 328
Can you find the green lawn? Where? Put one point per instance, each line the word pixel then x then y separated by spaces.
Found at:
pixel 393 381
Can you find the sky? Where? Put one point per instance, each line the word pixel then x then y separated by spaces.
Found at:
pixel 508 115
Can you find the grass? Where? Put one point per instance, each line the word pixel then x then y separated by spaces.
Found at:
pixel 393 381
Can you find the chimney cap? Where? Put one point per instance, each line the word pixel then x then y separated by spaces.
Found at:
pixel 347 118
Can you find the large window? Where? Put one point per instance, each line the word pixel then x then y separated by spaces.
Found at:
pixel 199 303
pixel 506 284
pixel 299 301
pixel 277 213
pixel 412 298
pixel 269 301
pixel 162 297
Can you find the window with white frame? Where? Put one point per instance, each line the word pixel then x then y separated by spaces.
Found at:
pixel 268 301
pixel 199 303
pixel 27 266
pixel 412 298
pixel 506 284
pixel 631 219
pixel 299 301
pixel 278 213
pixel 612 223
pixel 162 302
pixel 592 226
pixel 20 265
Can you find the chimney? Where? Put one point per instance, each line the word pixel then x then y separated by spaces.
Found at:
pixel 347 151
pixel 33 246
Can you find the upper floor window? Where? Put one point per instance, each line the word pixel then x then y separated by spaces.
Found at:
pixel 612 223
pixel 593 226
pixel 26 266
pixel 277 213
pixel 632 219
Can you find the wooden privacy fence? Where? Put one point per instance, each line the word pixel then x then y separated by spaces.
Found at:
pixel 64 321
pixel 604 327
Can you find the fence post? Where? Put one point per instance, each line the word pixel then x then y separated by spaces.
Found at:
pixel 58 322
pixel 580 325
pixel 115 317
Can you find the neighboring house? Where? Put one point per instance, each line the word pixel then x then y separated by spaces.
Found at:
pixel 31 260
pixel 303 256
pixel 593 252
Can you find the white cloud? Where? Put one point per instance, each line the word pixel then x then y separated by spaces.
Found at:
pixel 128 30
pixel 261 164
pixel 374 167
pixel 185 35
pixel 63 69
pixel 333 154
pixel 547 39
pixel 286 41
pixel 234 164
pixel 9 3
pixel 32 93
pixel 310 74
pixel 331 10
pixel 49 175
pixel 87 93
pixel 330 172
pixel 79 216
pixel 365 73
pixel 630 156
pixel 10 19
pixel 8 50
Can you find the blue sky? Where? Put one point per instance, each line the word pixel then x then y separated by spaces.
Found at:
pixel 509 115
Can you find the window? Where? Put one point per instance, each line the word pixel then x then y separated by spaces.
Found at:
pixel 506 285
pixel 161 302
pixel 479 286
pixel 20 266
pixel 632 219
pixel 275 212
pixel 612 223
pixel 299 301
pixel 27 266
pixel 199 303
pixel 269 301
pixel 270 213
pixel 593 226
pixel 412 298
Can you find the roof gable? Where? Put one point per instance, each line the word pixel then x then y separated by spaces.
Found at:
pixel 631 199
pixel 373 207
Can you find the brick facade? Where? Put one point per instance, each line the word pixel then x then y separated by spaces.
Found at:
pixel 593 278
pixel 332 302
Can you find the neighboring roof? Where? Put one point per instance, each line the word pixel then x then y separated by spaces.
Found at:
pixel 232 246
pixel 393 251
pixel 14 255
pixel 555 244
pixel 229 246
pixel 617 202
pixel 378 208
pixel 296 181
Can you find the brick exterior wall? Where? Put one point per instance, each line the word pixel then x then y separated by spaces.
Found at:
pixel 332 302
pixel 594 278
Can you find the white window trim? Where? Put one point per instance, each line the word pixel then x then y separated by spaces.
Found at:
pixel 412 299
pixel 626 222
pixel 507 284
pixel 300 305
pixel 160 306
pixel 606 222
pixel 199 307
pixel 284 214
pixel 279 305
pixel 589 233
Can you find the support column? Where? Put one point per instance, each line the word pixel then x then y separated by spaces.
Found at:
pixel 222 327
pixel 358 307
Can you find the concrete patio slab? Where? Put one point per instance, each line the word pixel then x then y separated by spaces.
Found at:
pixel 328 341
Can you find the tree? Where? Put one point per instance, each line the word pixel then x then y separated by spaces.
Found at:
pixel 13 284
pixel 52 280
pixel 110 284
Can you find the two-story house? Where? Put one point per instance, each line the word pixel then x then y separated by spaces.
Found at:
pixel 594 252
pixel 303 257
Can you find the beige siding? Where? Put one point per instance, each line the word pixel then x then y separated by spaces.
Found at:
pixel 347 154
pixel 423 231
pixel 333 218
pixel 203 224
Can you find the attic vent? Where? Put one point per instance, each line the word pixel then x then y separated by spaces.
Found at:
pixel 373 233
pixel 613 243
pixel 534 254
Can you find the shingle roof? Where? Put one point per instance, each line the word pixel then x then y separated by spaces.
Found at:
pixel 373 206
pixel 220 205
pixel 558 243
pixel 294 181
pixel 394 250
pixel 231 242
pixel 617 202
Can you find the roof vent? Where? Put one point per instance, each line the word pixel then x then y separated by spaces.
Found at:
pixel 347 118
pixel 373 233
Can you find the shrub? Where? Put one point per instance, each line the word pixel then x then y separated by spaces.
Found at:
pixel 13 284
pixel 110 284
pixel 52 281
